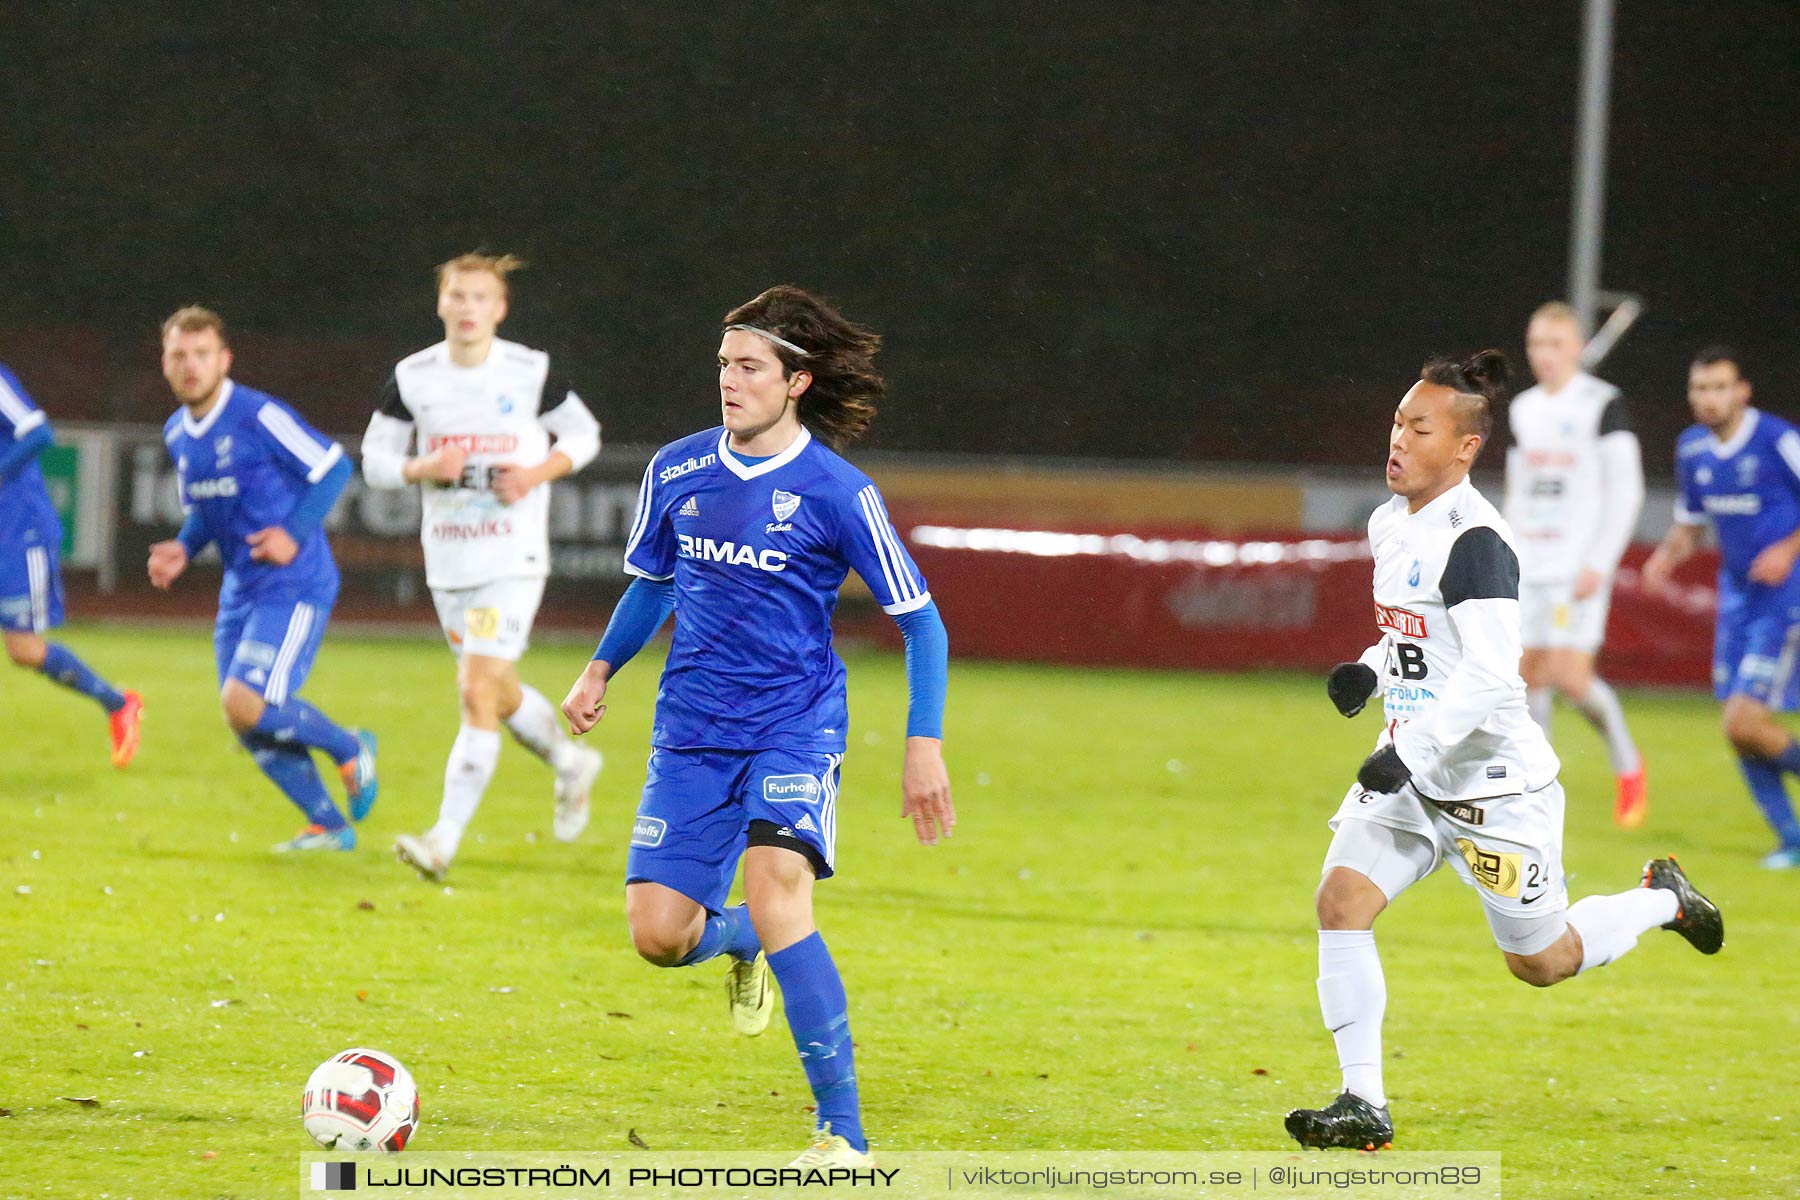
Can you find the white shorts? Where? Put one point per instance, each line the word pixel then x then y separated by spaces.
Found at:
pixel 1509 849
pixel 493 620
pixel 1550 618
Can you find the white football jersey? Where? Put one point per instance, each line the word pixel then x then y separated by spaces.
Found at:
pixel 1574 479
pixel 504 411
pixel 1447 605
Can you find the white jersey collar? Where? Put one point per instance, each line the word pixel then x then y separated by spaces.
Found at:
pixel 1437 508
pixel 198 428
pixel 745 470
pixel 1738 440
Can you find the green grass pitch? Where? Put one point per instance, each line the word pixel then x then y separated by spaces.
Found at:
pixel 1115 951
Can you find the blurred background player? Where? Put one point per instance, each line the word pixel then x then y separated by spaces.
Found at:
pixel 484 412
pixel 31 598
pixel 1574 486
pixel 1739 468
pixel 747 533
pixel 257 481
pixel 1460 772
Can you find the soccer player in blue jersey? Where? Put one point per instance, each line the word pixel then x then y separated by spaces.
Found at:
pixel 1739 468
pixel 257 481
pixel 746 532
pixel 31 598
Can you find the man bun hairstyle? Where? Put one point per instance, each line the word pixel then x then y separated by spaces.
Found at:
pixel 839 354
pixel 1479 382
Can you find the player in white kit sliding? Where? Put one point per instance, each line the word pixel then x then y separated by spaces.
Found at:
pixel 484 411
pixel 1574 485
pixel 1460 773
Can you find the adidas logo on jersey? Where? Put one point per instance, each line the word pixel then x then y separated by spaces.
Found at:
pixel 806 823
pixel 690 509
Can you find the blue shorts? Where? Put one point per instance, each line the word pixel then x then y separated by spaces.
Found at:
pixel 694 820
pixel 268 645
pixel 31 595
pixel 1755 644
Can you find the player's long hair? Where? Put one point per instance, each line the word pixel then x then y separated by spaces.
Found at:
pixel 840 355
pixel 1479 382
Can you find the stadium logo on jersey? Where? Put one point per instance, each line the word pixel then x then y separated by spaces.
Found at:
pixel 1401 621
pixel 212 489
pixel 1412 577
pixel 803 789
pixel 1498 873
pixel 691 464
pixel 786 504
pixel 691 508
pixel 648 831
pixel 707 550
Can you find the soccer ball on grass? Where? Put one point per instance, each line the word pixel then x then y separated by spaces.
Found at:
pixel 360 1100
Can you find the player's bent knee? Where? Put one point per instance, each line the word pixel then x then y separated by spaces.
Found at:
pixel 26 650
pixel 242 707
pixel 1539 970
pixel 1347 899
pixel 660 946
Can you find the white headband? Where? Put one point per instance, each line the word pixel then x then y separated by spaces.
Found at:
pixel 767 336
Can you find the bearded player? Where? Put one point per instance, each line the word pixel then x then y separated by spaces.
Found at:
pixel 1460 773
pixel 495 423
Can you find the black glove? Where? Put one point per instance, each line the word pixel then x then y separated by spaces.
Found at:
pixel 1383 771
pixel 1350 685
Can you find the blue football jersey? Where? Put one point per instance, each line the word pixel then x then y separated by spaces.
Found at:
pixel 1749 488
pixel 757 553
pixel 243 467
pixel 26 514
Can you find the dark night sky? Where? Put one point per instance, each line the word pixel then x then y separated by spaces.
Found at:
pixel 1207 231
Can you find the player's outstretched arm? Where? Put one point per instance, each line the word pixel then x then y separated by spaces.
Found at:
pixel 924 780
pixel 17 451
pixel 638 615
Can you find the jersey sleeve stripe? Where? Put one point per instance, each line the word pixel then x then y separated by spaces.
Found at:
pixel 1789 446
pixel 913 605
pixel 886 527
pixel 642 520
pixel 15 407
pixel 325 464
pixel 291 436
pixel 881 550
pixel 29 422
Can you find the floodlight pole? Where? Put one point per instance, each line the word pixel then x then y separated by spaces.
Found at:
pixel 1590 162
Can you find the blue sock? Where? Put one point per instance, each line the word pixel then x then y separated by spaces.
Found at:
pixel 63 667
pixel 290 768
pixel 819 1015
pixel 1789 759
pixel 298 721
pixel 1764 778
pixel 729 932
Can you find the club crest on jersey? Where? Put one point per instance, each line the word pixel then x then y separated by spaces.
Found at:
pixel 222 452
pixel 1746 469
pixel 1703 475
pixel 1412 576
pixel 786 504
pixel 1401 621
pixel 504 404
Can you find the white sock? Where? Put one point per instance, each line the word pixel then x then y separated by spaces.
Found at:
pixel 1609 925
pixel 1352 999
pixel 473 757
pixel 1540 701
pixel 1601 707
pixel 537 727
